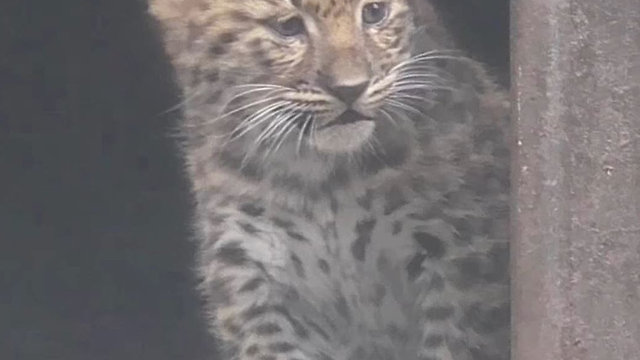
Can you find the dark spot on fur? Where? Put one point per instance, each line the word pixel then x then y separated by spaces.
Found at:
pixel 397 228
pixel 481 354
pixel 217 50
pixel 252 349
pixel 324 266
pixel 299 329
pixel 364 228
pixel 394 199
pixel 281 347
pixel 358 353
pixel 366 200
pixel 254 312
pixel 247 227
pixel 323 356
pixel 433 341
pixel 217 219
pixel 288 182
pixel 342 307
pixel 249 169
pixel 232 253
pixel 268 328
pixel 333 204
pixel 226 38
pixel 297 236
pixel 292 294
pixel 265 61
pixel 414 267
pixel 382 263
pixel 438 313
pixel 252 209
pixel 436 283
pixel 255 43
pixel 380 293
pixel 239 16
pixel 485 320
pixel 337 178
pixel 267 357
pixel 231 326
pixel 251 285
pixel 435 247
pixel 464 230
pixel 317 329
pixel 281 223
pixel 499 259
pixel 218 291
pixel 298 266
pixel 213 76
pixel 395 332
pixel 394 156
pixel 469 271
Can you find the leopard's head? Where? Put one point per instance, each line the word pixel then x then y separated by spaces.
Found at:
pixel 280 78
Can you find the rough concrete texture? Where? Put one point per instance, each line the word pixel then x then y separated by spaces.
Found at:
pixel 576 256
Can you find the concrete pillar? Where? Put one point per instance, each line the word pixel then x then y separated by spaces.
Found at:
pixel 576 250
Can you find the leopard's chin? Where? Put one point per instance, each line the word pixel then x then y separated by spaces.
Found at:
pixel 344 137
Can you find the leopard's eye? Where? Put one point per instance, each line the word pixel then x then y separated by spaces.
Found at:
pixel 292 26
pixel 374 13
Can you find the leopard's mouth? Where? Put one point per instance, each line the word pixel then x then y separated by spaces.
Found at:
pixel 347 117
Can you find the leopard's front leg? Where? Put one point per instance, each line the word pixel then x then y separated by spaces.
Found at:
pixel 464 303
pixel 248 279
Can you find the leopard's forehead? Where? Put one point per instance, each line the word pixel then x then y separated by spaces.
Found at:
pixel 324 8
pixel 316 8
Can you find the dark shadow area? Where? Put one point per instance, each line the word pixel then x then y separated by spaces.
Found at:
pixel 95 260
pixel 95 257
pixel 481 28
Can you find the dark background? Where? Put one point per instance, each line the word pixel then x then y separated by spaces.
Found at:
pixel 95 257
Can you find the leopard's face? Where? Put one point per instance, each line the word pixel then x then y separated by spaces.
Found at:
pixel 326 75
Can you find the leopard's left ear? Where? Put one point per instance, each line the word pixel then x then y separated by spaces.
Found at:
pixel 430 32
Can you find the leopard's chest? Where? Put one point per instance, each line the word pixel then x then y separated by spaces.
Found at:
pixel 358 267
pixel 362 256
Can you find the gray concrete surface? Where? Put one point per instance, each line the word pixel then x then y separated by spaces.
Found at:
pixel 576 258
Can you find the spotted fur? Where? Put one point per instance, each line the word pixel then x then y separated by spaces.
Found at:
pixel 350 176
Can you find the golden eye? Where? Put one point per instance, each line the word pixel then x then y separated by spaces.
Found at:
pixel 292 26
pixel 374 13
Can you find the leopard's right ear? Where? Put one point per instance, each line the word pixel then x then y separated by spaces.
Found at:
pixel 429 26
pixel 171 19
pixel 171 14
pixel 164 10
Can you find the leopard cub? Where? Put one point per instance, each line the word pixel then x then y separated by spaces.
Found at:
pixel 350 176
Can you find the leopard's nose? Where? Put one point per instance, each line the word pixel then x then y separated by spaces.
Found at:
pixel 348 93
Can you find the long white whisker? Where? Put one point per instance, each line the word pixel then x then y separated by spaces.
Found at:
pixel 275 124
pixel 389 117
pixel 401 105
pixel 283 136
pixel 418 76
pixel 182 102
pixel 258 116
pixel 273 86
pixel 251 91
pixel 303 128
pixel 413 82
pixel 403 95
pixel 256 119
pixel 278 138
pixel 244 107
